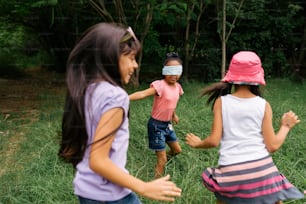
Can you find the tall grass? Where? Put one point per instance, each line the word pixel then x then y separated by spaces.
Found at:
pixel 32 173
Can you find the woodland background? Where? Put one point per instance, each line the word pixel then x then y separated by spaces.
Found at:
pixel 206 33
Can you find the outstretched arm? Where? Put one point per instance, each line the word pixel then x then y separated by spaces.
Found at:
pixel 213 140
pixel 142 94
pixel 274 142
pixel 160 189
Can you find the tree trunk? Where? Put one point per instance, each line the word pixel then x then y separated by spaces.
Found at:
pixel 225 35
pixel 223 39
pixel 135 78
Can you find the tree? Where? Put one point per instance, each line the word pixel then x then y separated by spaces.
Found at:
pixel 275 29
pixel 56 23
pixel 224 36
pixel 296 53
pixel 190 47
pixel 141 10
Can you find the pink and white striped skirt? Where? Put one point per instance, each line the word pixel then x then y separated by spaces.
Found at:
pixel 253 182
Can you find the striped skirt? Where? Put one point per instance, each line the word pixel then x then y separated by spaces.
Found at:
pixel 254 182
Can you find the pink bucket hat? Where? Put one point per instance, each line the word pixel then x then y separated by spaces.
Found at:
pixel 245 68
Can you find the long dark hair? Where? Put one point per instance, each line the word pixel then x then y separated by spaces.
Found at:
pixel 216 90
pixel 94 58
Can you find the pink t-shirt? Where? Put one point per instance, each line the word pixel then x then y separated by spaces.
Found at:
pixel 165 100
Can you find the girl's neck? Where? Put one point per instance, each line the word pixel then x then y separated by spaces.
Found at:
pixel 243 91
pixel 170 83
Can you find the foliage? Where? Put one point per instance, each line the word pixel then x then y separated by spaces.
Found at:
pixel 274 29
pixel 155 52
pixel 19 50
pixel 264 27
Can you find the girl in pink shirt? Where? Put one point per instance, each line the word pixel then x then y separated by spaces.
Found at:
pixel 166 95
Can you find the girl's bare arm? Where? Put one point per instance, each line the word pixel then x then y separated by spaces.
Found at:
pixel 160 189
pixel 274 141
pixel 142 94
pixel 213 140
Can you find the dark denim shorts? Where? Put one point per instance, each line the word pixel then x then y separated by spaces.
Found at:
pixel 131 198
pixel 159 134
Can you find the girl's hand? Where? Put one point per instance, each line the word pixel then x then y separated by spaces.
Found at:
pixel 161 189
pixel 193 140
pixel 175 119
pixel 289 119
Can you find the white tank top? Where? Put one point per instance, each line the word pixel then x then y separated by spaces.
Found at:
pixel 242 138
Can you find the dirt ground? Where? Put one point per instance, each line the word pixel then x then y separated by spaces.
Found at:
pixel 22 94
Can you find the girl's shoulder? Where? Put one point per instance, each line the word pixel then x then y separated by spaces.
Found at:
pixel 179 85
pixel 163 82
pixel 233 97
pixel 105 89
pixel 255 101
pixel 158 84
pixel 159 81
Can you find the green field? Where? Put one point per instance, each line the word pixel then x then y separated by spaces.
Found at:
pixel 32 173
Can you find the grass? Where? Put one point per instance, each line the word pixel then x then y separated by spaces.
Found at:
pixel 32 173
